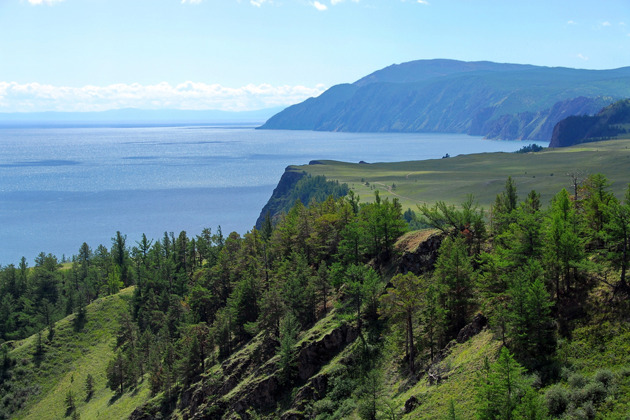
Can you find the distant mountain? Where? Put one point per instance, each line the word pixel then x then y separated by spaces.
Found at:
pixel 610 122
pixel 137 116
pixel 503 101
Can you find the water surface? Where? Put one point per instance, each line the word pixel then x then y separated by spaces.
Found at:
pixel 60 187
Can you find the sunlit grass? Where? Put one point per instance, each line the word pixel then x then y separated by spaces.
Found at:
pixel 483 174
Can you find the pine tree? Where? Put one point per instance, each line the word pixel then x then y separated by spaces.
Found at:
pixel 289 329
pixel 89 387
pixel 70 403
pixel 564 248
pixel 453 273
pixel 402 301
pixel 616 235
pixel 502 388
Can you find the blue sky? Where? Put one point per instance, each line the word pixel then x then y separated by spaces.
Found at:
pixel 90 55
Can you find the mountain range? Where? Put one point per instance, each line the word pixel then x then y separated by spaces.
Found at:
pixel 495 100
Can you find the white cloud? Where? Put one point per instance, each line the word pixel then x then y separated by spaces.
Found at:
pixel 571 22
pixel 34 97
pixel 336 2
pixel 191 1
pixel 605 23
pixel 423 2
pixel 319 6
pixel 48 2
pixel 258 3
pixel 582 57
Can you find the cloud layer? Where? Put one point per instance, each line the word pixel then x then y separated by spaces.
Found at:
pixel 36 97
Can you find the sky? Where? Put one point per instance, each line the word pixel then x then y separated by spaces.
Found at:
pixel 237 55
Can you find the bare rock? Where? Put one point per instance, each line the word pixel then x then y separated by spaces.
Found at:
pixel 472 329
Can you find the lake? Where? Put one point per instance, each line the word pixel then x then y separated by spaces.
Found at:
pixel 62 186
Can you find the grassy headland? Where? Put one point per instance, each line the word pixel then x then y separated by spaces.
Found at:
pixel 483 174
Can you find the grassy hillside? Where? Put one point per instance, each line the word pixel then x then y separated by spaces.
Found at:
pixel 67 360
pixel 451 179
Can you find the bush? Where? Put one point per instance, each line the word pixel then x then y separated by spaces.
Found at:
pixel 557 400
pixel 595 392
pixel 576 380
pixel 323 408
pixel 605 377
pixel 624 372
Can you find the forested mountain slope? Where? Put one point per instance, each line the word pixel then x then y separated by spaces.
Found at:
pixel 612 121
pixel 338 310
pixel 505 101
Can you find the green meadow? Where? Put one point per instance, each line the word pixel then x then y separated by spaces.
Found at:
pixel 483 174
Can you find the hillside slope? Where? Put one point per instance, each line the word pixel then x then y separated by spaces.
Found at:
pixel 39 384
pixel 610 122
pixel 505 101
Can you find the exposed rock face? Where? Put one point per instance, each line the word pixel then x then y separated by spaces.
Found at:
pixel 311 357
pixel 419 251
pixel 411 404
pixel 472 329
pixel 287 181
pixel 250 379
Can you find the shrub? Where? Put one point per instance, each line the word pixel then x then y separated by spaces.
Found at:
pixel 605 377
pixel 595 392
pixel 323 408
pixel 557 400
pixel 589 410
pixel 577 380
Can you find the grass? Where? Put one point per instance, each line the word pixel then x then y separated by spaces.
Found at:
pixel 482 175
pixel 67 361
pixel 460 369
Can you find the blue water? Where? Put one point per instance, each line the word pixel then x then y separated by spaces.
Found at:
pixel 60 187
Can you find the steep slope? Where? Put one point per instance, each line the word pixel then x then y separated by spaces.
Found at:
pixel 610 122
pixel 39 383
pixel 506 101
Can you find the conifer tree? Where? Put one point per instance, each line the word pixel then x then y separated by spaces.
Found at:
pixel 89 387
pixel 501 388
pixel 453 273
pixel 616 235
pixel 402 301
pixel 289 329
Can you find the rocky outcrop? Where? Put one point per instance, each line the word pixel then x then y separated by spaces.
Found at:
pixel 418 251
pixel 312 356
pixel 250 379
pixel 472 329
pixel 289 178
